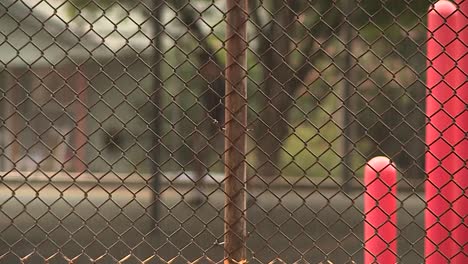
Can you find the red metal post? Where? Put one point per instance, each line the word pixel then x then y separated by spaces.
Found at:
pixel 380 205
pixel 460 232
pixel 442 133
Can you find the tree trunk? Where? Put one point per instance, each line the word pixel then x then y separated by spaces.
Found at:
pixel 272 128
pixel 211 69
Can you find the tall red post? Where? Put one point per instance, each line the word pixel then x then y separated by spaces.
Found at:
pixel 380 205
pixel 442 132
pixel 460 233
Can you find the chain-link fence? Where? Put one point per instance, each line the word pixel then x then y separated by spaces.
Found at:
pixel 193 131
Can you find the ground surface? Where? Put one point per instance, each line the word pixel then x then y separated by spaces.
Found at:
pixel 111 222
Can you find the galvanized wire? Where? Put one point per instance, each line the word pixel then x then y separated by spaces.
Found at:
pixel 113 131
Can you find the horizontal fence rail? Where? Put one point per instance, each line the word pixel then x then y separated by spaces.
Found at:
pixel 246 131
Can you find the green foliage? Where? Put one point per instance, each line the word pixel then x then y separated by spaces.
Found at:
pixel 308 151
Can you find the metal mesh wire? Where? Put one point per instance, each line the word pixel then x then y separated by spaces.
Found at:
pixel 112 128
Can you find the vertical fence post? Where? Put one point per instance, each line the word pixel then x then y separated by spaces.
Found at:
pixel 235 131
pixel 155 98
pixel 460 232
pixel 347 97
pixel 442 106
pixel 380 204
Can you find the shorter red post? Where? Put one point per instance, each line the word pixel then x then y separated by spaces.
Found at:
pixel 380 205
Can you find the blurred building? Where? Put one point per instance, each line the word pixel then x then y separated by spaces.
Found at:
pixel 68 92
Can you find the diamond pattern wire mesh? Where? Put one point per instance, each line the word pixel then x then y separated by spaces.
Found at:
pixel 112 132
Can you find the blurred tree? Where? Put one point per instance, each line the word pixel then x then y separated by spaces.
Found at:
pixel 210 70
pixel 295 38
pixel 290 39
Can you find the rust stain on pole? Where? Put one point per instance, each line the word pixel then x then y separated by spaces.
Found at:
pixel 235 131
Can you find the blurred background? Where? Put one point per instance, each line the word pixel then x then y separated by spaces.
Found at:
pixel 107 103
pixel 352 72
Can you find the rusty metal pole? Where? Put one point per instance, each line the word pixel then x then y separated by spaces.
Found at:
pixel 235 131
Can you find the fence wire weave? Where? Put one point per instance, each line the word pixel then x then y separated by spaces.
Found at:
pixel 114 127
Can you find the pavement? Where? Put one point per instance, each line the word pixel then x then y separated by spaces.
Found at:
pixel 108 222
